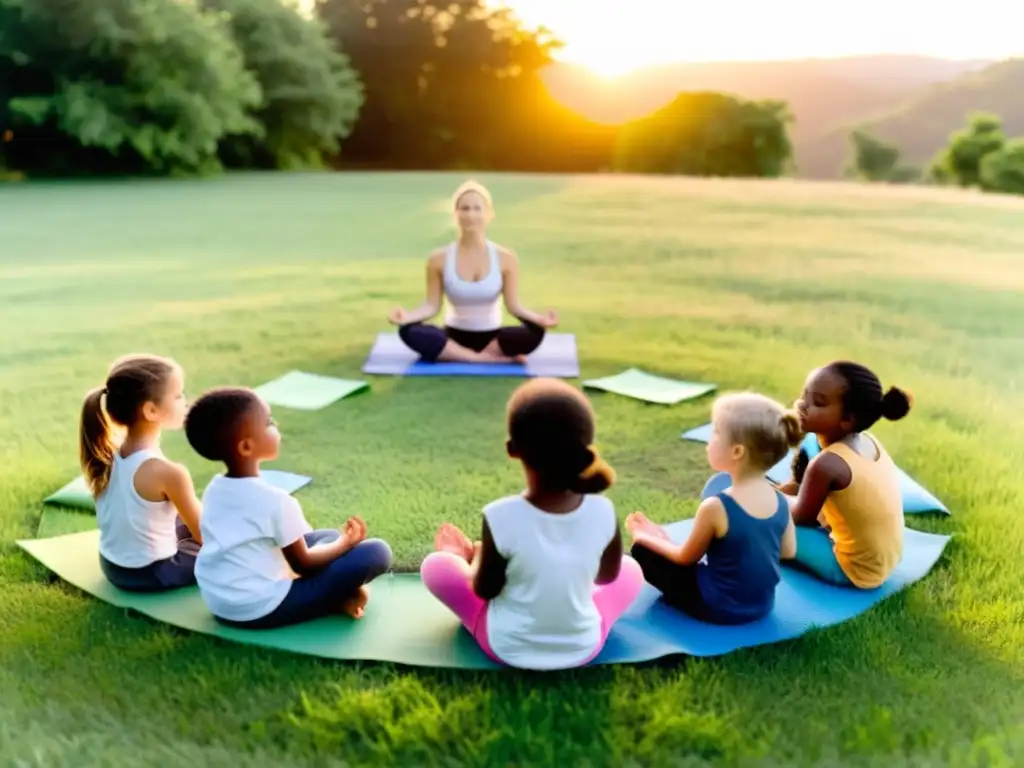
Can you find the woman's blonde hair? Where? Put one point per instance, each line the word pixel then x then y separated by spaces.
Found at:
pixel 473 186
pixel 761 425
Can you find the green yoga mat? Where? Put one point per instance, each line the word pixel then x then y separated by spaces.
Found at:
pixel 650 388
pixel 429 635
pixel 75 494
pixel 308 391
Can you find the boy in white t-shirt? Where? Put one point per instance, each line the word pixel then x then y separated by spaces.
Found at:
pixel 548 579
pixel 255 537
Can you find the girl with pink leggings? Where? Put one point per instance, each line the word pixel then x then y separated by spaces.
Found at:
pixel 548 578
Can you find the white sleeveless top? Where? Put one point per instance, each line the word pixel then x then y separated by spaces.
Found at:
pixel 473 306
pixel 134 532
pixel 545 617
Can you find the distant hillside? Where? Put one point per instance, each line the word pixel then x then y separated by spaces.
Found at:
pixel 920 126
pixel 822 93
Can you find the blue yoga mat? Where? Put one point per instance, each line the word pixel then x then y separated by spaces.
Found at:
pixel 650 629
pixel 916 498
pixel 556 357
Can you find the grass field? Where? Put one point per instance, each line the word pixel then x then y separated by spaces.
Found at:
pixel 745 284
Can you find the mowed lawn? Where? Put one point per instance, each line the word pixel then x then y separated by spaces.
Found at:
pixel 749 285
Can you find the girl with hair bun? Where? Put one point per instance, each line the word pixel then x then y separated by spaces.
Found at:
pixel 548 579
pixel 848 505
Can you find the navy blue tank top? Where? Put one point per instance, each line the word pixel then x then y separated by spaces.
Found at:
pixel 738 582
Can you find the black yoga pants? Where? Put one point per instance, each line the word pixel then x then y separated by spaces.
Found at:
pixel 429 340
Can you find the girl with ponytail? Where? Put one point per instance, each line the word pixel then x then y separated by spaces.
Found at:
pixel 548 579
pixel 848 505
pixel 146 506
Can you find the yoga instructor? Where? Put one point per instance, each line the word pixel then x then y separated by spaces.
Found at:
pixel 474 274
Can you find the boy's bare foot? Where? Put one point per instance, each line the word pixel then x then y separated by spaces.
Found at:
pixel 355 606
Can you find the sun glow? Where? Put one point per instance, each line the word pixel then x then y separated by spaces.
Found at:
pixel 612 38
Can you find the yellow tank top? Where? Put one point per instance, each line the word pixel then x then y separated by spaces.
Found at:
pixel 866 517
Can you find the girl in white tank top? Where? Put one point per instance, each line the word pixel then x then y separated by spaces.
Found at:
pixel 146 506
pixel 547 580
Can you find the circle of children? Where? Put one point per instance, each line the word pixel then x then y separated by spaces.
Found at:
pixel 548 577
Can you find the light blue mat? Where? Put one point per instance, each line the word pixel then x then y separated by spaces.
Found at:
pixel 650 629
pixel 556 357
pixel 916 498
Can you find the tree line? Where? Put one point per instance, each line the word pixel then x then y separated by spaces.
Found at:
pixel 979 155
pixel 171 88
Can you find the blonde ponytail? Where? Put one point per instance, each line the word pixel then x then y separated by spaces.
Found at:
pixel 96 445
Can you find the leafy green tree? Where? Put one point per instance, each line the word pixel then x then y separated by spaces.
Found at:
pixel 878 160
pixel 708 134
pixel 311 94
pixel 1003 169
pixel 447 84
pixel 960 162
pixel 873 158
pixel 120 86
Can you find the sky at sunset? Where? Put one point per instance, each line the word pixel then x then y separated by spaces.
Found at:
pixel 612 37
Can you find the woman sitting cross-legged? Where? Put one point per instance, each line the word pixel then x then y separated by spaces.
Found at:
pixel 474 274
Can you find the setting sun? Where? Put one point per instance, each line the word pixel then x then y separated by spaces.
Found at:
pixel 612 38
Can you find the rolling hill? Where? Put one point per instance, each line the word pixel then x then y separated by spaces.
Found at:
pixel 825 95
pixel 920 126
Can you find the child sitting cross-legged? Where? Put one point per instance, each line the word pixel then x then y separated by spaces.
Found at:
pixel 743 531
pixel 547 580
pixel 255 537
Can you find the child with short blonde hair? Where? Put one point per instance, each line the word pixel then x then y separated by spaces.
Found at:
pixel 744 531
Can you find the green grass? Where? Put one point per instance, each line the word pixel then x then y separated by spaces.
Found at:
pixel 745 284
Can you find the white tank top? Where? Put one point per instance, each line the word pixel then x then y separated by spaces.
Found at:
pixel 473 306
pixel 545 617
pixel 134 532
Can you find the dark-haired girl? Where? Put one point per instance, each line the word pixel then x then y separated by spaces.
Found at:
pixel 548 578
pixel 848 507
pixel 146 506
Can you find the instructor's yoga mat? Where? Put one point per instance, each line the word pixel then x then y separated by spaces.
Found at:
pixel 308 391
pixel 650 388
pixel 556 357
pixel 76 493
pixel 916 498
pixel 405 624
